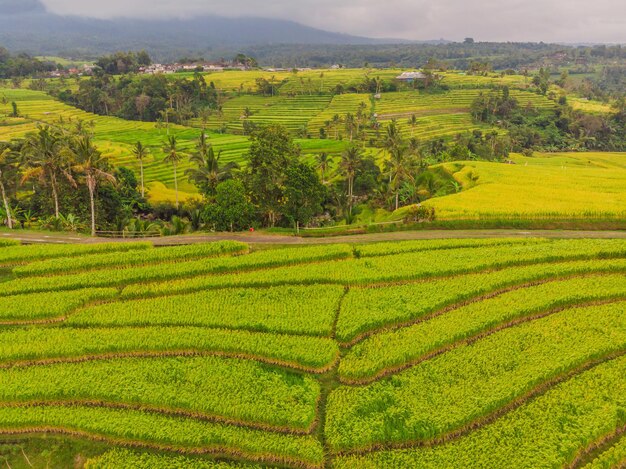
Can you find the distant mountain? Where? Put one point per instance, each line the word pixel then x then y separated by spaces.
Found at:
pixel 15 7
pixel 25 25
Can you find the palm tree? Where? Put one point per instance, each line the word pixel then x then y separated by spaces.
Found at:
pixel 323 164
pixel 141 152
pixel 42 151
pixel 335 122
pixel 413 124
pixel 399 170
pixel 351 160
pixel 173 157
pixel 350 124
pixel 92 165
pixel 7 167
pixel 208 173
pixel 393 137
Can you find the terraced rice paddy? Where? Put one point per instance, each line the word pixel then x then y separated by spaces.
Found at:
pixel 115 137
pixel 292 112
pixel 304 104
pixel 542 186
pixel 474 353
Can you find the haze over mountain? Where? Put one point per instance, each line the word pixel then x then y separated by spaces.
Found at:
pixel 26 25
pixel 572 21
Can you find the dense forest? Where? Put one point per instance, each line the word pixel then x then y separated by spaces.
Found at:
pixel 458 56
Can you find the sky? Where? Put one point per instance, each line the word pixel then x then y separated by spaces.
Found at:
pixel 574 21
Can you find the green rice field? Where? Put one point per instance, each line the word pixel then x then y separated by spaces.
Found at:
pixel 477 353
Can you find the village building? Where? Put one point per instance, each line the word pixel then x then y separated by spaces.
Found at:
pixel 410 77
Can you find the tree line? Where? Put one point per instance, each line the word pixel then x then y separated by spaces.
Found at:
pixel 56 178
pixel 559 129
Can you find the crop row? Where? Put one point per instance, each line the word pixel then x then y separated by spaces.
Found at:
pixel 340 106
pixel 288 309
pixel 28 345
pixel 8 242
pixel 119 458
pixel 22 254
pixel 395 268
pixel 42 306
pixel 131 258
pixel 546 432
pixel 613 457
pixel 401 247
pixel 455 389
pixel 436 125
pixel 367 310
pixel 392 350
pixel 226 388
pixel 119 277
pixel 132 427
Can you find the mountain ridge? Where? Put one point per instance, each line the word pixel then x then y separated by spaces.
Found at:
pixel 27 26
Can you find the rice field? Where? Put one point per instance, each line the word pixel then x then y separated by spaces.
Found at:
pixel 115 137
pixel 303 103
pixel 483 353
pixel 554 185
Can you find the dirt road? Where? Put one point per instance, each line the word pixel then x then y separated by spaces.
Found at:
pixel 29 237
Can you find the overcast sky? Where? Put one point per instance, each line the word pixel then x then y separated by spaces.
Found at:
pixel 501 20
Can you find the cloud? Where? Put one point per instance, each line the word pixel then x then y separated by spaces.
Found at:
pixel 497 20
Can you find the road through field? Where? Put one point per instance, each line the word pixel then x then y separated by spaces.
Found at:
pixel 29 237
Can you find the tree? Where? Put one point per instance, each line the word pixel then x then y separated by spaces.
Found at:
pixel 271 153
pixel 350 125
pixel 413 124
pixel 42 151
pixel 351 160
pixel 393 137
pixel 304 194
pixel 232 209
pixel 399 170
pixel 7 170
pixel 208 173
pixel 323 161
pixel 141 152
pixel 173 157
pixel 93 167
pixel 335 122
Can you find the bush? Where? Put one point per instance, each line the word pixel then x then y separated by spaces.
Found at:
pixel 419 213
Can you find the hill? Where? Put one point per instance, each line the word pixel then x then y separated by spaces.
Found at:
pixel 27 26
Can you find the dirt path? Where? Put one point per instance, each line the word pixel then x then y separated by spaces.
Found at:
pixel 263 238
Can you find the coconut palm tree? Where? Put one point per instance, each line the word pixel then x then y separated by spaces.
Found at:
pixel 413 124
pixel 351 160
pixel 173 156
pixel 42 152
pixel 399 170
pixel 208 173
pixel 393 137
pixel 7 168
pixel 141 152
pixel 92 166
pixel 350 125
pixel 323 161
